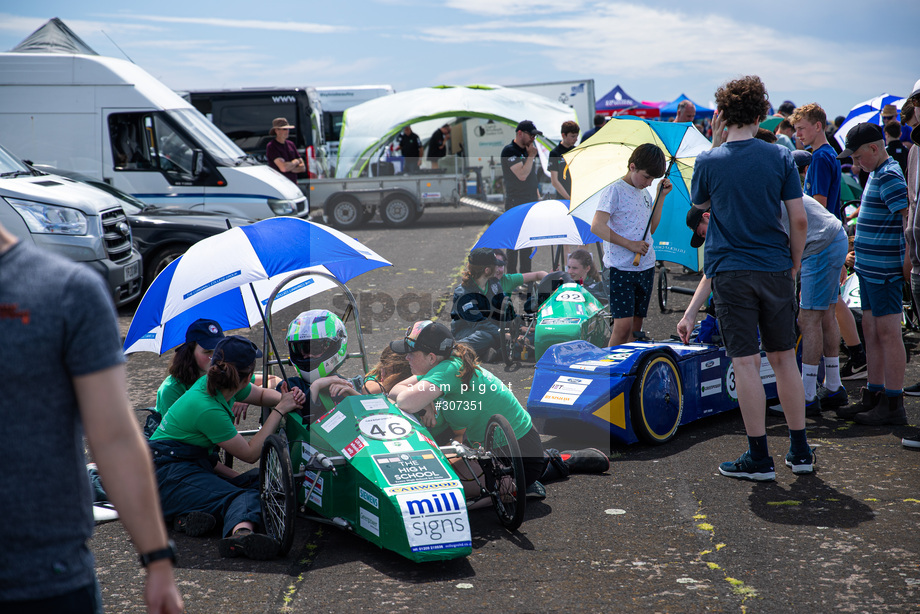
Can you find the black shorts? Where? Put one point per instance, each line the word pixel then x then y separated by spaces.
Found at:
pixel 746 300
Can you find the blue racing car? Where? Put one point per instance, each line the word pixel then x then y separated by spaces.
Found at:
pixel 640 391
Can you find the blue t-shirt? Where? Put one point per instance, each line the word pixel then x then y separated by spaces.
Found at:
pixel 879 240
pixel 745 182
pixel 824 176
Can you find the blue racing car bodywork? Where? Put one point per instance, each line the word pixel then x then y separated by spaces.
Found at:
pixel 640 391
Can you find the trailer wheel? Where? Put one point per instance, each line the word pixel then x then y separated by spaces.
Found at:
pixel 657 401
pixel 397 210
pixel 345 213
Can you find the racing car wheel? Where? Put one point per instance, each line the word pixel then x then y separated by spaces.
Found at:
pixel 276 492
pixel 657 399
pixel 504 472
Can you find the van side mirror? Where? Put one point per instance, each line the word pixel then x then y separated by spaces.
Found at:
pixel 197 162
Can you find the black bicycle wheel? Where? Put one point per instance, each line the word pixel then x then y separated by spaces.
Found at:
pixel 663 289
pixel 276 481
pixel 504 472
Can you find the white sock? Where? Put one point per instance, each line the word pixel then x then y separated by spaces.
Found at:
pixel 832 373
pixel 810 379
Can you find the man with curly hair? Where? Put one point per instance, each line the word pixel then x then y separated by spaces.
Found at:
pixel 752 264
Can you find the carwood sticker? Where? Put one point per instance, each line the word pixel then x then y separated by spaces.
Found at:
pixel 395 490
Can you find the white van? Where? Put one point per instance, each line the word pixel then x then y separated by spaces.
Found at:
pixel 111 120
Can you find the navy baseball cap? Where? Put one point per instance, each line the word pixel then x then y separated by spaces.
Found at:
pixel 206 333
pixel 859 135
pixel 801 158
pixel 482 256
pixel 238 351
pixel 425 336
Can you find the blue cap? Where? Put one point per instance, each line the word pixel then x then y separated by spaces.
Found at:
pixel 238 351
pixel 206 333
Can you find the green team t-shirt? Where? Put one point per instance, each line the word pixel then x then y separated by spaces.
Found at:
pixel 168 393
pixel 471 407
pixel 200 419
pixel 511 281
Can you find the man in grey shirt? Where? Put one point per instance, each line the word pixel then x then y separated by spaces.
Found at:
pixel 64 373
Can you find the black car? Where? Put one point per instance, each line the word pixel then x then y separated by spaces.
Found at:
pixel 161 235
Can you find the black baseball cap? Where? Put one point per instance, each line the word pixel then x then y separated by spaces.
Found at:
pixel 482 256
pixel 860 135
pixel 206 333
pixel 528 127
pixel 425 336
pixel 238 351
pixel 694 217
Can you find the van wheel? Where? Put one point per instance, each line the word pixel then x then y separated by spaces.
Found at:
pixel 345 213
pixel 160 260
pixel 397 211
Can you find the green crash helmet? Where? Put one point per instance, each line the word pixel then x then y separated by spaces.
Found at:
pixel 317 343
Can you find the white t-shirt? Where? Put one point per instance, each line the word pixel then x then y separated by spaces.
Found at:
pixel 630 210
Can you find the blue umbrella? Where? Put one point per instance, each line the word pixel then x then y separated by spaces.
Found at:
pixel 868 111
pixel 544 222
pixel 228 278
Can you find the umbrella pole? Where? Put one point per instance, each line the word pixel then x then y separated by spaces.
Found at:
pixel 654 206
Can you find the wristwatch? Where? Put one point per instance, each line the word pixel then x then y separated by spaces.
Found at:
pixel 169 552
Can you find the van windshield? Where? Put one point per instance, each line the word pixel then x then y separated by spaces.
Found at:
pixel 11 165
pixel 215 142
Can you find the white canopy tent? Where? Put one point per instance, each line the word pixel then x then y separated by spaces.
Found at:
pixel 369 126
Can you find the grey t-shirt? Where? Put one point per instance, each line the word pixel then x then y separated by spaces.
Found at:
pixel 823 226
pixel 56 322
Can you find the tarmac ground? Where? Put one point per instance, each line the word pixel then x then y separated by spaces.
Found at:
pixel 661 531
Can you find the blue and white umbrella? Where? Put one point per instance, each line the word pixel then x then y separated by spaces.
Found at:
pixel 213 278
pixel 544 222
pixel 869 111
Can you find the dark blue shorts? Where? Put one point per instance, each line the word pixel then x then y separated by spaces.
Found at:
pixel 882 299
pixel 630 292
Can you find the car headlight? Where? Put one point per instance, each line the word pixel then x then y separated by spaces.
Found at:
pixel 50 219
pixel 281 206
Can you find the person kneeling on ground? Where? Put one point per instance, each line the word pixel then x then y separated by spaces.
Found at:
pixel 194 488
pixel 477 303
pixel 448 374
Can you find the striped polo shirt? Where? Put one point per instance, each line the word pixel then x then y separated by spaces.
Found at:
pixel 879 241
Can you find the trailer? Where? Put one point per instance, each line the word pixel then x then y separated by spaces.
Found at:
pixel 347 203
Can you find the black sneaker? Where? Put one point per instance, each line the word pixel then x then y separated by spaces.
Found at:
pixel 746 468
pixel 587 460
pixel 912 441
pixel 813 407
pixel 195 524
pixel 913 391
pixel 801 463
pixel 854 367
pixel 243 542
pixel 832 400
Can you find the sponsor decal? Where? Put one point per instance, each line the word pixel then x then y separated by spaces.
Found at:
pixel 306 451
pixel 435 520
pixel 400 445
pixel 566 390
pixel 709 364
pixel 560 399
pixel 334 419
pixel 372 404
pixel 309 477
pixel 411 467
pixel 570 296
pixel 441 485
pixel 730 382
pixel 354 447
pixel 430 195
pixel 422 437
pixel 369 522
pixel 767 376
pixel 710 387
pixel 385 427
pixel 368 498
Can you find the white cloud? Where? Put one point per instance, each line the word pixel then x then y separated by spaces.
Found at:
pixel 218 22
pixel 521 8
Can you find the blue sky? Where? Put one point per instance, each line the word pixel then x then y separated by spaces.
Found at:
pixel 834 52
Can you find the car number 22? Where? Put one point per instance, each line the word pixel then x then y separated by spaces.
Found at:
pixel 385 427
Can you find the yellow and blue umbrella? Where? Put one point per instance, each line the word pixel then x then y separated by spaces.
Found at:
pixel 603 158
